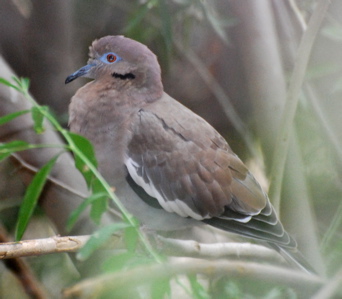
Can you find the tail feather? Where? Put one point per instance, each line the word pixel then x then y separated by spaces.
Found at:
pixel 295 258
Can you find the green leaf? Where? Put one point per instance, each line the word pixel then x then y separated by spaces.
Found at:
pixel 9 84
pixel 31 197
pixel 131 236
pixel 98 239
pixel 160 288
pixel 78 211
pixel 198 290
pixel 99 206
pixel 7 118
pixel 6 149
pixel 87 149
pixel 119 261
pixel 23 84
pixel 38 118
pixel 125 260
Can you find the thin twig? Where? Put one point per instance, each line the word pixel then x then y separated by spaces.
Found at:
pixel 51 179
pixel 170 247
pixel 212 269
pixel 331 288
pixel 42 246
pixel 22 271
pixel 195 249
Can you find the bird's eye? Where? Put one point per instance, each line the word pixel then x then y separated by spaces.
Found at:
pixel 111 57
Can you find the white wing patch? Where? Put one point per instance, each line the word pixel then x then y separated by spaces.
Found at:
pixel 243 220
pixel 172 205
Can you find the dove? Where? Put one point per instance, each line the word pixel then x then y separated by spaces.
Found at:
pixel 170 168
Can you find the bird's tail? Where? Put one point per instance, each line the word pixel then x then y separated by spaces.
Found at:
pixel 295 258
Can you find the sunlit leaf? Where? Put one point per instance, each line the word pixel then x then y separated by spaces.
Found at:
pixel 99 238
pixel 7 118
pixel 32 194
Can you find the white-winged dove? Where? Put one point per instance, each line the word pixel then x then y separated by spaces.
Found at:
pixel 150 145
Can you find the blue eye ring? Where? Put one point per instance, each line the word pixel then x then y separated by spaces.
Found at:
pixel 110 58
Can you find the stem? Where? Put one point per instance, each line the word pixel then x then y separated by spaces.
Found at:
pixel 296 82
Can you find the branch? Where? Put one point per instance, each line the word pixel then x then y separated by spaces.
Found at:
pixel 187 248
pixel 23 273
pixel 331 288
pixel 211 269
pixel 170 247
pixel 42 246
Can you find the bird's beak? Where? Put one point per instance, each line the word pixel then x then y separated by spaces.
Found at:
pixel 83 71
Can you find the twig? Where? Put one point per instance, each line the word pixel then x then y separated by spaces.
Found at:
pixel 51 179
pixel 42 246
pixel 211 269
pixel 296 82
pixel 171 247
pixel 24 274
pixel 331 288
pixel 195 249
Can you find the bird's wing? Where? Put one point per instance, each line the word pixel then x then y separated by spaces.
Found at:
pixel 184 163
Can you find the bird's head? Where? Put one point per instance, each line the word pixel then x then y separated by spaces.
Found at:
pixel 118 58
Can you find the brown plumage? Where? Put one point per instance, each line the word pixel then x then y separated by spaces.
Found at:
pixel 168 165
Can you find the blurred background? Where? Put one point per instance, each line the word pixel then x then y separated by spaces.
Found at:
pixel 228 61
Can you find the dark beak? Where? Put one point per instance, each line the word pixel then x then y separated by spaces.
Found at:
pixel 83 71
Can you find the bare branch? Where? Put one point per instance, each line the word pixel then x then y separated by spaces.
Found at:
pixel 195 249
pixel 331 288
pixel 23 273
pixel 42 246
pixel 171 247
pixel 211 269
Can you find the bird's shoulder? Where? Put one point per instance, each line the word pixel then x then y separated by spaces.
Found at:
pixel 170 119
